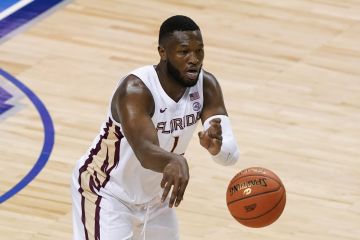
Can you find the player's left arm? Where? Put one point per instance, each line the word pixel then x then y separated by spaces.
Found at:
pixel 217 137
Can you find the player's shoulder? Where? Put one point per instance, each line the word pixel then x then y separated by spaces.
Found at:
pixel 208 76
pixel 132 92
pixel 132 84
pixel 209 80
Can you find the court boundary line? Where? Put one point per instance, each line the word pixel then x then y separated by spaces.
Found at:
pixel 23 27
pixel 49 137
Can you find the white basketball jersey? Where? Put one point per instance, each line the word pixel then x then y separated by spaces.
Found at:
pixel 111 164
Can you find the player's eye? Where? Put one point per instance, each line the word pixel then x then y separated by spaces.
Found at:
pixel 184 52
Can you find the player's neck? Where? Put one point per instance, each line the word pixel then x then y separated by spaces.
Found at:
pixel 172 88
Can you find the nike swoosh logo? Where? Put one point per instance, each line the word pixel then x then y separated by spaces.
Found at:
pixel 162 110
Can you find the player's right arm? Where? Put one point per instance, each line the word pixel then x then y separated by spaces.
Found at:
pixel 133 106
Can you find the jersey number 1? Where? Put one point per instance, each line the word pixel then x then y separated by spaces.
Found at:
pixel 175 144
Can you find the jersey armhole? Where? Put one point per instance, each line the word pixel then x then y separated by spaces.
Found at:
pixel 110 113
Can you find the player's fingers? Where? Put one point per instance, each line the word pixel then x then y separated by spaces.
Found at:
pixel 204 141
pixel 215 128
pixel 166 191
pixel 219 131
pixel 215 146
pixel 201 134
pixel 181 192
pixel 217 136
pixel 215 125
pixel 163 181
pixel 215 120
pixel 216 142
pixel 216 133
pixel 174 193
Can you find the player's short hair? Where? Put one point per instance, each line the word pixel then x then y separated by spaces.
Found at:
pixel 176 23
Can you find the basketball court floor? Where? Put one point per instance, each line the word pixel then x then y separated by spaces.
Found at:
pixel 290 74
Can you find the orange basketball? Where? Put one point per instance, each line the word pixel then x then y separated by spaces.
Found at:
pixel 256 197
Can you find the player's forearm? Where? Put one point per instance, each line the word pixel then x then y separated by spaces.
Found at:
pixel 152 157
pixel 143 139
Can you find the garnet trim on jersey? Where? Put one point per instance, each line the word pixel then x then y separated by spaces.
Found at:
pixel 93 181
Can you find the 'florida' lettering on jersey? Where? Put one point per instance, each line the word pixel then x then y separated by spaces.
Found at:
pixel 178 123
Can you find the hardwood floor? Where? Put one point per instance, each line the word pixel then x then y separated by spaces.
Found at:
pixel 289 71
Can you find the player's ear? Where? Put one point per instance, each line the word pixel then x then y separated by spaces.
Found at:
pixel 162 53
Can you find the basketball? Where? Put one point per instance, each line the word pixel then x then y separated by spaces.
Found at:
pixel 256 197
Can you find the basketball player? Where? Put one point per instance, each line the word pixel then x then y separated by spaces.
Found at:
pixel 135 171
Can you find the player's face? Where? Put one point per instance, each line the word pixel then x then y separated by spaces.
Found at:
pixel 185 55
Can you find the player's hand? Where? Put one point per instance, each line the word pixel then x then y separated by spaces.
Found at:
pixel 211 139
pixel 175 175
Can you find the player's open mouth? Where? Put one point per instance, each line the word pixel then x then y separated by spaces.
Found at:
pixel 192 74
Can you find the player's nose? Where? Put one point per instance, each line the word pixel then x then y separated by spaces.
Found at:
pixel 194 58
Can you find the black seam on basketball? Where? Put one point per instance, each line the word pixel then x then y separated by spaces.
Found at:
pixel 264 212
pixel 239 199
